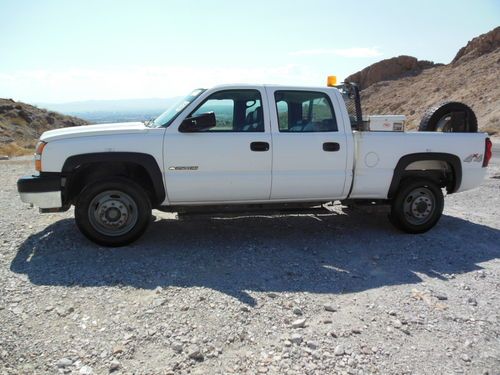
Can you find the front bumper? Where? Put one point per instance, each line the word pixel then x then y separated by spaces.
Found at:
pixel 44 191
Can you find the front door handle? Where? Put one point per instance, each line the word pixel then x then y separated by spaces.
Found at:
pixel 259 146
pixel 331 146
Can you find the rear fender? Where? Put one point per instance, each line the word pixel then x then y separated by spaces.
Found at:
pixel 420 158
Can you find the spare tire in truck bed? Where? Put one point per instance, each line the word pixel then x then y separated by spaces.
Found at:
pixel 449 117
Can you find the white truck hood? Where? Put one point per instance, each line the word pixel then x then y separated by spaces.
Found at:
pixel 91 130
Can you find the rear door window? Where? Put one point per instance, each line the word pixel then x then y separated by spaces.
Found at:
pixel 304 111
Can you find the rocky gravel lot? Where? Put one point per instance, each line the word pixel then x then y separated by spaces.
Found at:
pixel 300 294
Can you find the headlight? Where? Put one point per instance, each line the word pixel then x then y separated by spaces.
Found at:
pixel 38 155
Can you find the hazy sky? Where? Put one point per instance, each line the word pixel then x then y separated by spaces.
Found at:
pixel 60 51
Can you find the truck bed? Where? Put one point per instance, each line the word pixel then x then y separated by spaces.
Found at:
pixel 377 153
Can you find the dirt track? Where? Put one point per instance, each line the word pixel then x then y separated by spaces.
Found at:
pixel 218 295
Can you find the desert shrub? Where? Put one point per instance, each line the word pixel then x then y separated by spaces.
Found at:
pixel 13 149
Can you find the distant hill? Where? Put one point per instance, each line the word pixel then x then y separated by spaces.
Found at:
pixel 109 105
pixel 473 77
pixel 22 124
pixel 99 111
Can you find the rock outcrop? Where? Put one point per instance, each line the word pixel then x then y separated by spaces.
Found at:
pixel 390 69
pixel 479 46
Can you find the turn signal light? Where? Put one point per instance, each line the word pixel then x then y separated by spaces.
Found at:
pixel 38 155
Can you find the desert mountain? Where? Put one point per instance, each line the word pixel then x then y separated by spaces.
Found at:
pixel 473 77
pixel 22 124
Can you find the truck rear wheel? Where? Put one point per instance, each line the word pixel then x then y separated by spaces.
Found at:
pixel 113 212
pixel 417 206
pixel 449 117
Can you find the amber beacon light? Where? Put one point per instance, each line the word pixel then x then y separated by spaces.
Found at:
pixel 331 81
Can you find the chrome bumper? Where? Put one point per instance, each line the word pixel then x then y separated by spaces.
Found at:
pixel 49 199
pixel 43 191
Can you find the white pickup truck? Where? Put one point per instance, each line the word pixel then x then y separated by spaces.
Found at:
pixel 244 147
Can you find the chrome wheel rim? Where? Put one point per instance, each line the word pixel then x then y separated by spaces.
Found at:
pixel 419 205
pixel 113 213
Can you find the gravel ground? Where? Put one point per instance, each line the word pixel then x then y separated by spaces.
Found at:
pixel 300 294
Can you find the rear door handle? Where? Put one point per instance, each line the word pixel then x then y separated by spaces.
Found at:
pixel 331 146
pixel 259 146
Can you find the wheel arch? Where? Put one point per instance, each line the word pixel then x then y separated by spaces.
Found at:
pixel 423 165
pixel 77 165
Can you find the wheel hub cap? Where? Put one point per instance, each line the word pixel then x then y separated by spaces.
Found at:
pixel 113 213
pixel 419 205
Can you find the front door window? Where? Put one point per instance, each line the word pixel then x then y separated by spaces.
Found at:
pixel 235 111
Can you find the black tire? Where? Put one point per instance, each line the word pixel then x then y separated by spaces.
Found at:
pixel 114 212
pixel 449 117
pixel 417 206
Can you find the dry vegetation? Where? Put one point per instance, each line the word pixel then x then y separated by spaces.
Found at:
pixel 13 149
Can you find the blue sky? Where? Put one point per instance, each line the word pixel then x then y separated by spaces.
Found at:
pixel 60 51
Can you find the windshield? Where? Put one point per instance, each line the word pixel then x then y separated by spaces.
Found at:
pixel 167 117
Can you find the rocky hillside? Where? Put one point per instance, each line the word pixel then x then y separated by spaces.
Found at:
pixel 22 124
pixel 473 77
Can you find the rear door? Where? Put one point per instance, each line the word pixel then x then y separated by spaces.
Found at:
pixel 309 151
pixel 228 163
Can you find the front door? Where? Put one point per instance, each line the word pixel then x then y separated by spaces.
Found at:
pixel 309 153
pixel 230 162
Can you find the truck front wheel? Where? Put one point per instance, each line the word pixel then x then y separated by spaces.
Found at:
pixel 417 206
pixel 113 212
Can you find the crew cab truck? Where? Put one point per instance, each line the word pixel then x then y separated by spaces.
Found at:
pixel 247 146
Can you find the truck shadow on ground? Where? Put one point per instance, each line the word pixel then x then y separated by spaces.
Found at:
pixel 334 253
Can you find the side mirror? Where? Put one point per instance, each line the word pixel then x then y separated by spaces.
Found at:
pixel 198 123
